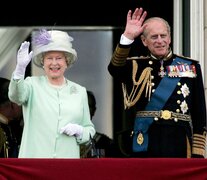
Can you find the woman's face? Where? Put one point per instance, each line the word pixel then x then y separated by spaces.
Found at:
pixel 55 64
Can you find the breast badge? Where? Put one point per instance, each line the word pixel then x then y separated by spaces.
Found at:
pixel 181 70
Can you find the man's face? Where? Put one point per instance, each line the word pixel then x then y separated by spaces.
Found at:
pixel 157 38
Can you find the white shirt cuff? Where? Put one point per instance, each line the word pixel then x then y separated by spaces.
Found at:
pixel 125 41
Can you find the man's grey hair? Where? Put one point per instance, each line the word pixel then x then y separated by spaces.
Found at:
pixel 157 19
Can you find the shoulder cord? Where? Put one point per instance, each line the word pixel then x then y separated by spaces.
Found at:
pixel 145 80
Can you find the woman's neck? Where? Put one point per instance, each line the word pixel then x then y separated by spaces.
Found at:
pixel 57 81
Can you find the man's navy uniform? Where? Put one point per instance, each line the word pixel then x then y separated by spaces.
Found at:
pixel 168 103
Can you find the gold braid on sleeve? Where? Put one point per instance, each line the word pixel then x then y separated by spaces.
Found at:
pixel 199 144
pixel 144 81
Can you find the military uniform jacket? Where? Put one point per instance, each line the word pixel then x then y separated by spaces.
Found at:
pixel 166 138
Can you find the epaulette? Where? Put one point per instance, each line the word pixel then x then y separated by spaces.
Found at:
pixel 185 57
pixel 138 57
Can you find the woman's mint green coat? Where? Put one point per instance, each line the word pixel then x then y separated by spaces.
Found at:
pixel 46 109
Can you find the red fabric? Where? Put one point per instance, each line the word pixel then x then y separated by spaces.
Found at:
pixel 103 169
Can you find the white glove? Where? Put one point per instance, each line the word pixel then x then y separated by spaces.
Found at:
pixel 23 59
pixel 72 130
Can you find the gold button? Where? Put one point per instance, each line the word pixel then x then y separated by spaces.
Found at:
pixel 150 62
pixel 178 92
pixel 178 101
pixel 179 84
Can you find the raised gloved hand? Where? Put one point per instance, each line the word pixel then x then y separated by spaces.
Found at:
pixel 23 59
pixel 72 130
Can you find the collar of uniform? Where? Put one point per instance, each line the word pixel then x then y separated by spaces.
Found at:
pixel 3 119
pixel 169 55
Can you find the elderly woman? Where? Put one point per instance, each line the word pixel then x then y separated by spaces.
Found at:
pixel 55 109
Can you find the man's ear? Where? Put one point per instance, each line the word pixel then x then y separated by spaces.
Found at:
pixel 143 40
